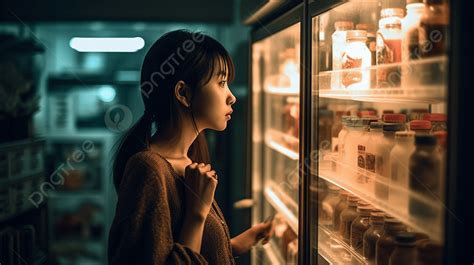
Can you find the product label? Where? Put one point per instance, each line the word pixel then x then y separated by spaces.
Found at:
pixel 370 162
pixel 388 51
pixel 361 178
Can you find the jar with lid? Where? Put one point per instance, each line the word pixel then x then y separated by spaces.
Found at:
pixel 410 41
pixel 340 207
pixel 372 234
pixel 428 252
pixel 438 121
pixel 347 217
pixel 356 56
pixel 371 44
pixel 359 226
pixel 386 243
pixel 420 126
pixel 404 252
pixel 338 46
pixel 389 47
pixel 425 166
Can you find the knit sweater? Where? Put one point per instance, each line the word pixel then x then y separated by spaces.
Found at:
pixel 149 216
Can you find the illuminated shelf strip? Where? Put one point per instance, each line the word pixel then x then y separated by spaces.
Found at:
pixel 281 207
pixel 282 90
pixel 282 149
pixel 434 230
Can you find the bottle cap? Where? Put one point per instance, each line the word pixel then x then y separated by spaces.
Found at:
pixel 356 35
pixel 420 125
pixel 425 139
pixel 428 246
pixel 344 25
pixel 376 125
pixel 435 117
pixel 392 12
pixel 393 127
pixel 404 135
pixel 414 1
pixel 394 118
pixel 405 239
pixel 367 27
pixel 364 209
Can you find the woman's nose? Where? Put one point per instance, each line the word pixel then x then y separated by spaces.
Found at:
pixel 232 99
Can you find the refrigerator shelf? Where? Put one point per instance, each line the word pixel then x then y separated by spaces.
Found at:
pixel 332 170
pixel 417 89
pixel 284 91
pixel 283 143
pixel 282 204
pixel 333 248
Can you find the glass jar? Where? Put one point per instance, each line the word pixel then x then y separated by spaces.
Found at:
pixel 372 234
pixel 359 226
pixel 338 47
pixel 386 243
pixel 425 166
pixel 356 55
pixel 389 47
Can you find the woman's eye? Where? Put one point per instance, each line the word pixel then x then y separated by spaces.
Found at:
pixel 222 83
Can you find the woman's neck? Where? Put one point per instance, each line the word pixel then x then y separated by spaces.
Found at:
pixel 174 143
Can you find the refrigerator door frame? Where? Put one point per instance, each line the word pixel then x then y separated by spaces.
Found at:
pixel 459 231
pixel 291 17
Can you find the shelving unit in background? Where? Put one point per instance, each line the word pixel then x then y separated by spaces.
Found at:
pixel 81 205
pixel 23 209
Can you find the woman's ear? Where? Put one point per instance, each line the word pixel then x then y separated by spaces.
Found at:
pixel 182 93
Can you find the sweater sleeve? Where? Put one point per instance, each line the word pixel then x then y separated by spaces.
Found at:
pixel 141 229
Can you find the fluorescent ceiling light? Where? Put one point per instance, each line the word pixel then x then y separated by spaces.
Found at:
pixel 107 44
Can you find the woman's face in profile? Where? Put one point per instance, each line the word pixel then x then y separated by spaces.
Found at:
pixel 213 104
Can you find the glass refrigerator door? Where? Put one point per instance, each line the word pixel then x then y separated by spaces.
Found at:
pixel 275 106
pixel 379 88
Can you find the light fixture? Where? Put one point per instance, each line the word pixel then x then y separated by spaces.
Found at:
pixel 106 93
pixel 107 44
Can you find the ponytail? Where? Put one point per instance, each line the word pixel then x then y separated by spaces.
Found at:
pixel 133 141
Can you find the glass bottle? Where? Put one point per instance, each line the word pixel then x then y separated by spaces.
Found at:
pixel 428 252
pixel 386 243
pixel 359 226
pixel 372 234
pixel 338 45
pixel 382 159
pixel 434 39
pixel 374 137
pixel 328 206
pixel 410 41
pixel 389 47
pixel 425 166
pixel 340 207
pixel 404 252
pixel 347 216
pixel 399 158
pixel 356 55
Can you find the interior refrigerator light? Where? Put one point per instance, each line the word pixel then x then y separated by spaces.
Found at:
pixel 107 44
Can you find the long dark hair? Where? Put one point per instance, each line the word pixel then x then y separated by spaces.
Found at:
pixel 177 55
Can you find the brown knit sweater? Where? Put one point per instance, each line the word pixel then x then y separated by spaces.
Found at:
pixel 149 216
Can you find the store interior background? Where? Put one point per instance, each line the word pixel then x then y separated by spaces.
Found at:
pixel 80 93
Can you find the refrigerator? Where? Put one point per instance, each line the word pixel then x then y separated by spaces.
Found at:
pixel 355 140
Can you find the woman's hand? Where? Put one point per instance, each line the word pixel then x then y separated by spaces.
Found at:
pixel 244 242
pixel 200 185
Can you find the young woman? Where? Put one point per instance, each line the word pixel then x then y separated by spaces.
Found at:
pixel 166 212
